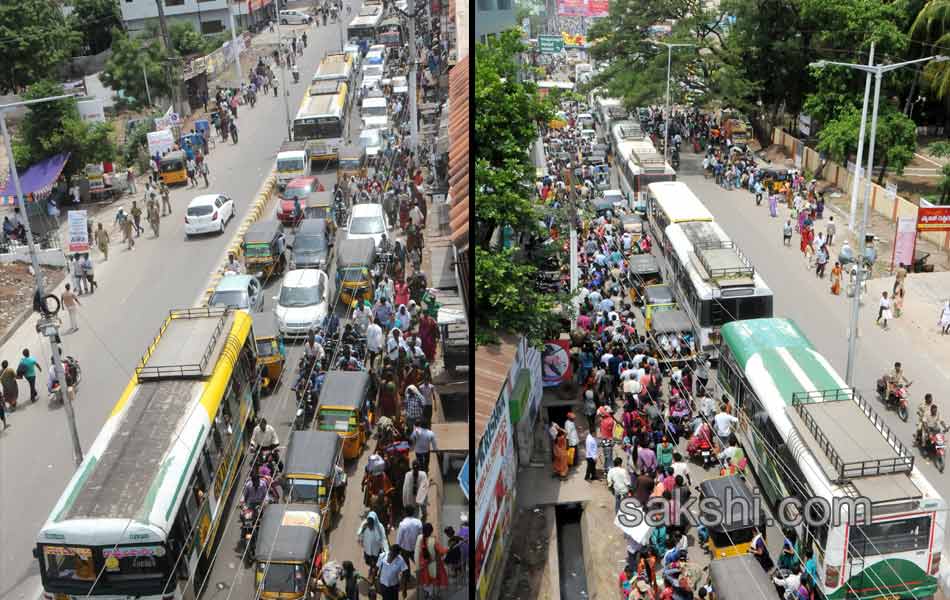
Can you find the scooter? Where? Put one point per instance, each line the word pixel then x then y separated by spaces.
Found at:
pixel 897 399
pixel 248 518
pixel 703 453
pixel 934 448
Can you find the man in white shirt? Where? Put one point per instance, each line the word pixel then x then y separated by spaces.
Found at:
pixel 374 341
pixel 591 452
pixel 361 317
pixel 790 583
pixel 409 529
pixel 618 482
pixel 723 425
pixel 264 436
pixel 572 439
pixel 393 572
pixel 681 468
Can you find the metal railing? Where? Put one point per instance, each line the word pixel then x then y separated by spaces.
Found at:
pixel 146 372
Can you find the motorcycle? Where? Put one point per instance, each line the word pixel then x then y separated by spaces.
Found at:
pixel 852 281
pixel 935 447
pixel 74 372
pixel 897 399
pixel 248 518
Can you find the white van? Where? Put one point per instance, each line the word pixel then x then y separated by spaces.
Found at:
pixel 375 113
pixel 294 17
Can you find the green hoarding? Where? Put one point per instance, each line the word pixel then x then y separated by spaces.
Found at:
pixel 550 44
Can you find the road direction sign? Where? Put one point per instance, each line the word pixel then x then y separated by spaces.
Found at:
pixel 550 44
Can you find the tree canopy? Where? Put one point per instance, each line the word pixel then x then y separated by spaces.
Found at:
pixel 131 60
pixel 94 20
pixel 35 40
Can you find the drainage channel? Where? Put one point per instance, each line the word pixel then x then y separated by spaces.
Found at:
pixel 570 551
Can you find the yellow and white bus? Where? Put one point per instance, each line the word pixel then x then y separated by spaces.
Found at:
pixel 140 516
pixel 322 117
pixel 336 66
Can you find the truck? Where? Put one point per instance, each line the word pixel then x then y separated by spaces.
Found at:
pixel 293 160
pixel 735 127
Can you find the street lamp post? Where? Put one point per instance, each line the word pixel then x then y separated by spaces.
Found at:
pixel 283 79
pixel 878 72
pixel 47 326
pixel 669 63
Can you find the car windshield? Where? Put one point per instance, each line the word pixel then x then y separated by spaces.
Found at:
pixel 366 225
pixel 285 165
pixel 309 243
pixel 300 296
pixel 266 348
pixel 297 192
pixel 200 210
pixel 370 138
pixel 232 298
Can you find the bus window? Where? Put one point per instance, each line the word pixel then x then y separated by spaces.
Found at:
pixel 889 537
pixel 69 563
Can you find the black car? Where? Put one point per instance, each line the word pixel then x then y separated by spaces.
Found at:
pixel 311 246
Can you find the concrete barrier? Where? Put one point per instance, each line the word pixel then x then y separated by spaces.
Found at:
pixel 52 257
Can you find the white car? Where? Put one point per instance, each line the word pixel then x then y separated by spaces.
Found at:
pixel 400 85
pixel 372 141
pixel 615 197
pixel 375 113
pixel 372 74
pixel 294 17
pixel 367 221
pixel 381 48
pixel 208 213
pixel 301 304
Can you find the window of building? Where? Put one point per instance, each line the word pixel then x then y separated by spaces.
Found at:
pixel 174 2
pixel 212 26
pixel 485 5
pixel 504 4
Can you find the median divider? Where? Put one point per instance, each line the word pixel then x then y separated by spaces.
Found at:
pixel 257 209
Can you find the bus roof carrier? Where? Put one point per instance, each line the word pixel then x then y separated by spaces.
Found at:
pixel 187 345
pixel 846 431
pixel 650 161
pixel 723 260
pixel 630 130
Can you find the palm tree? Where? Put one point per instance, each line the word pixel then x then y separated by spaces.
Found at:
pixel 932 26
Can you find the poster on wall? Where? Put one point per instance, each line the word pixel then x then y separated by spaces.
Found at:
pixel 494 481
pixel 583 8
pixel 904 242
pixel 556 362
pixel 78 231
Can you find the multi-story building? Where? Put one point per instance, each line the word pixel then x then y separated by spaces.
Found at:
pixel 207 16
pixel 492 17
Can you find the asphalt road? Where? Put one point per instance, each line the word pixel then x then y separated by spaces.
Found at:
pixel 802 297
pixel 137 289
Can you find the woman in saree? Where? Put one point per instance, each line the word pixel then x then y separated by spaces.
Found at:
pixel 836 279
pixel 560 456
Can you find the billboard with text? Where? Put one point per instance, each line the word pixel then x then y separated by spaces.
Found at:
pixel 582 8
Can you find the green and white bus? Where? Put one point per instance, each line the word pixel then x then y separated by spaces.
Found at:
pixel 142 515
pixel 809 437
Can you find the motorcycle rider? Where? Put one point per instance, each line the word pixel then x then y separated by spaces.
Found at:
pixel 894 379
pixel 922 411
pixel 233 265
pixel 255 490
pixel 933 423
pixel 264 436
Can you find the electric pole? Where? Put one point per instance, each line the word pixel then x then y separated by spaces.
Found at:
pixel 234 44
pixel 48 325
pixel 413 56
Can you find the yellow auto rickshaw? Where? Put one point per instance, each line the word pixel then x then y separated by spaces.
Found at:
pixel 313 471
pixel 732 535
pixel 656 298
pixel 288 551
pixel 773 179
pixel 352 162
pixel 343 408
pixel 172 167
pixel 263 246
pixel 271 353
pixel 354 259
pixel 740 578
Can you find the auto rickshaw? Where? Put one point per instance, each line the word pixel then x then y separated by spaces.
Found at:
pixel 271 353
pixel 656 298
pixel 343 409
pixel 263 248
pixel 313 471
pixel 354 259
pixel 773 179
pixel 643 271
pixel 172 168
pixel 632 224
pixel 733 534
pixel 740 578
pixel 604 208
pixel 674 323
pixel 352 162
pixel 289 549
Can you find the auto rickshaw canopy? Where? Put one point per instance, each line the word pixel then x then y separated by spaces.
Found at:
pixel 312 455
pixel 345 390
pixel 774 174
pixel 670 321
pixel 356 253
pixel 735 518
pixel 263 232
pixel 288 533
pixel 740 578
pixel 172 161
pixel 643 265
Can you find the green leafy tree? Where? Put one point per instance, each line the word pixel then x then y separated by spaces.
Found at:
pixel 507 298
pixel 187 41
pixel 942 149
pixel 94 20
pixel 54 127
pixel 893 147
pixel 131 60
pixel 35 39
pixel 932 27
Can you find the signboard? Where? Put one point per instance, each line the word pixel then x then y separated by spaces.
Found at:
pixel 526 27
pixel 550 44
pixel 573 39
pixel 168 121
pixel 92 110
pixel 583 8
pixel 556 362
pixel 160 141
pixel 804 124
pixel 933 219
pixel 904 242
pixel 78 231
pixel 494 478
pixel 891 191
pixel 463 477
pixel 94 173
pixel 851 169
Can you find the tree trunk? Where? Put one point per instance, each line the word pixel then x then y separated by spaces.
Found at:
pixel 880 178
pixel 909 103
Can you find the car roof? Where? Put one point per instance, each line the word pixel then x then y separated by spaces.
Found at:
pixel 234 282
pixel 203 199
pixel 312 226
pixel 377 100
pixel 302 181
pixel 366 210
pixel 302 277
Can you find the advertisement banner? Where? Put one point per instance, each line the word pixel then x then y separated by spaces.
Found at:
pixel 556 362
pixel 583 8
pixel 933 219
pixel 904 242
pixel 494 479
pixel 78 231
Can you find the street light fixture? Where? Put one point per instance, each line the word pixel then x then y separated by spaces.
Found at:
pixel 48 327
pixel 877 71
pixel 669 61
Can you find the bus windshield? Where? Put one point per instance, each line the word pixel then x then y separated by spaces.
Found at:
pixel 68 564
pixel 134 563
pixel 287 165
pixel 318 128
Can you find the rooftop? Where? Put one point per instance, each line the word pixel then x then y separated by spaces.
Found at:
pixel 492 364
pixel 459 169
